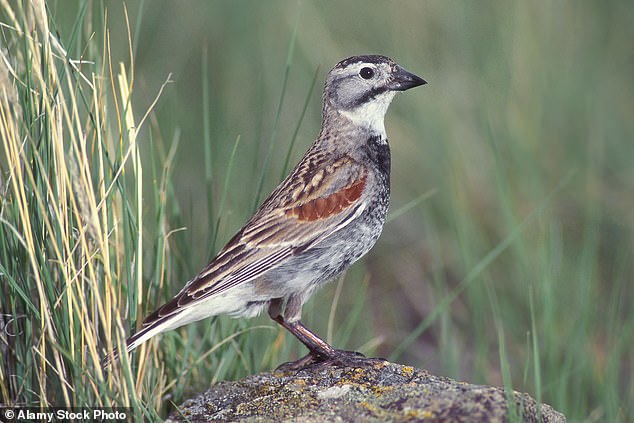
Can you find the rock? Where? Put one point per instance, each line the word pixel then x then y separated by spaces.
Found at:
pixel 379 392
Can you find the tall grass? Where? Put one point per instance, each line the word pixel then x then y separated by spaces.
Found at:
pixel 508 255
pixel 76 260
pixel 72 217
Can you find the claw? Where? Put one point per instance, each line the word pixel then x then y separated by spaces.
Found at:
pixel 339 358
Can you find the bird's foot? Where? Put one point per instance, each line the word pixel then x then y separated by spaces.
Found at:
pixel 340 358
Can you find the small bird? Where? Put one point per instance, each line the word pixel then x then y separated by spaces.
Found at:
pixel 326 214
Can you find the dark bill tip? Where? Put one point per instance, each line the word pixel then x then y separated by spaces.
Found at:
pixel 403 80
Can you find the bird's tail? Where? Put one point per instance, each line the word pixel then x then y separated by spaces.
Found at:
pixel 167 317
pixel 134 341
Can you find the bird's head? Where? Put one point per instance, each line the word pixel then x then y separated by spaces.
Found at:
pixel 362 87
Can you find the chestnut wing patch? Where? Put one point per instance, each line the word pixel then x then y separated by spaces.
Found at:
pixel 325 207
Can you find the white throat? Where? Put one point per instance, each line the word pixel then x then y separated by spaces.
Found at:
pixel 372 114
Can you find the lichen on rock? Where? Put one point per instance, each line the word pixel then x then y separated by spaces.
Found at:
pixel 380 391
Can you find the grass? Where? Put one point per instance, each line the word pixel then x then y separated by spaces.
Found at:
pixel 508 256
pixel 77 257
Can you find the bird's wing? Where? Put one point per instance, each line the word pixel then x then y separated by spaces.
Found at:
pixel 318 198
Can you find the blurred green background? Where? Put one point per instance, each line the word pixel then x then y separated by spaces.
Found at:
pixel 523 139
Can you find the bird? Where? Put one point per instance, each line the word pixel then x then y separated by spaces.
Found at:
pixel 325 215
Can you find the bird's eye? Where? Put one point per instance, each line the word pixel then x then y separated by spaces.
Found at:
pixel 366 73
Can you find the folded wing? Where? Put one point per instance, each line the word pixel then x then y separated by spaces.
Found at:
pixel 320 198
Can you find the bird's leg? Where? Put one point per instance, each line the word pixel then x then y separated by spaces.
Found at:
pixel 319 350
pixel 316 345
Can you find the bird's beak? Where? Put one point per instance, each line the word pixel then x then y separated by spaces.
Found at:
pixel 403 80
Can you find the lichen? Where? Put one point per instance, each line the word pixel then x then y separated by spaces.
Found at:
pixel 376 392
